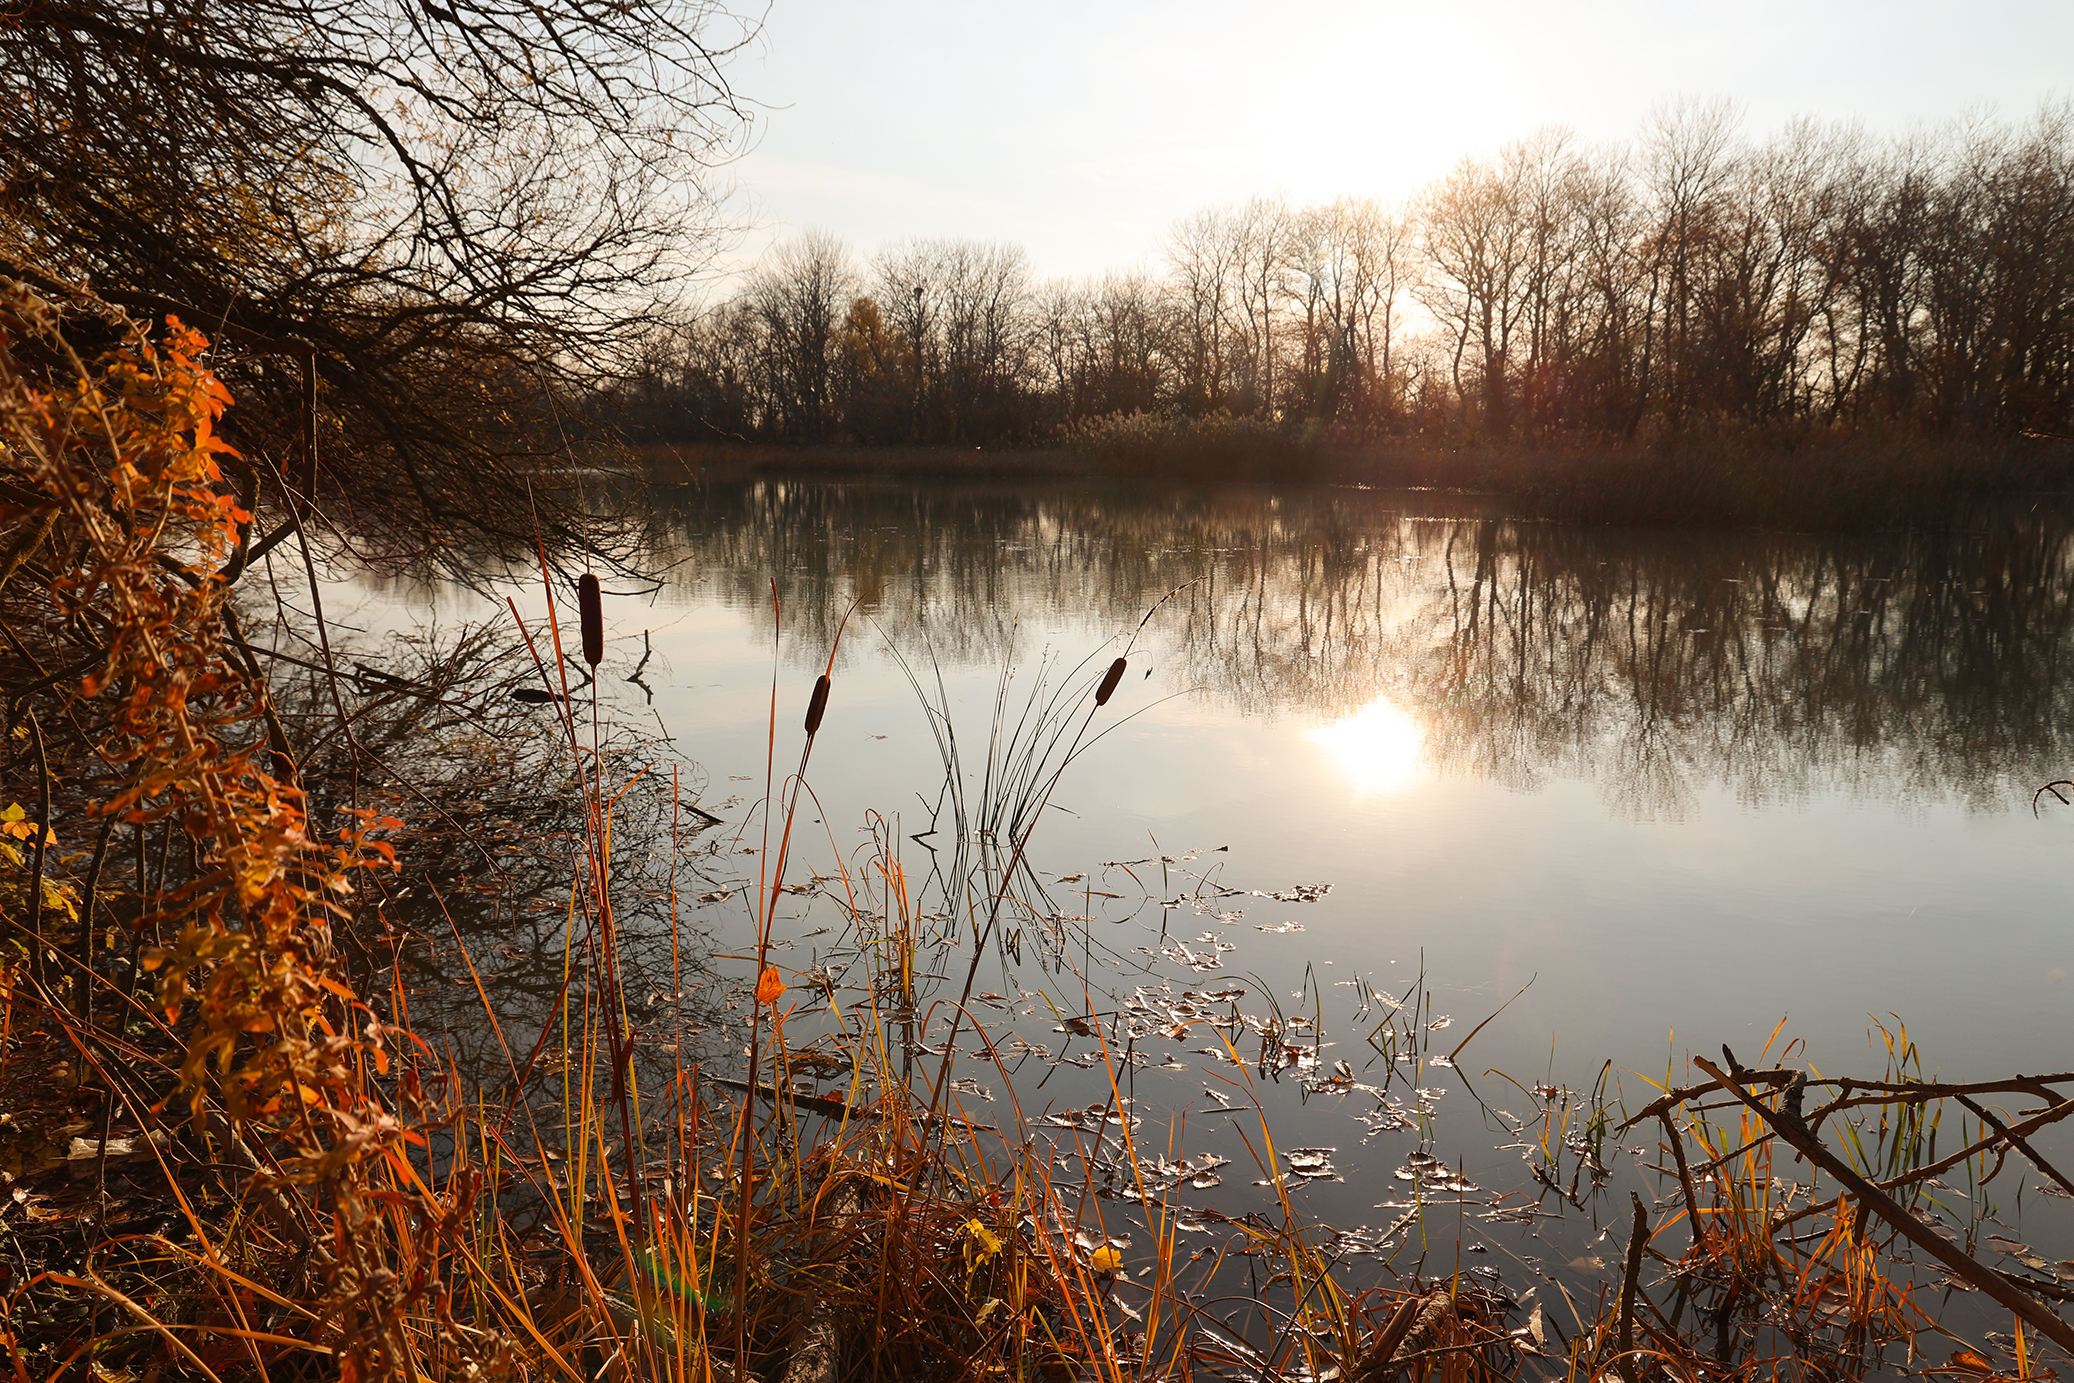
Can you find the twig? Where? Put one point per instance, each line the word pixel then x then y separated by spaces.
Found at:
pixel 826 1105
pixel 2016 1140
pixel 1790 1125
pixel 1692 1203
pixel 1638 1238
pixel 36 964
pixel 1671 1099
pixel 1412 1332
pixel 85 1005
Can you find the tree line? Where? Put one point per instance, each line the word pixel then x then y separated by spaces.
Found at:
pixel 1690 277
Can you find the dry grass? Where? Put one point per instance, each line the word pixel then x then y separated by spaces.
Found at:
pixel 1809 478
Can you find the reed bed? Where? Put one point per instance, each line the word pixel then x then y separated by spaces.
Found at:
pixel 287 1182
pixel 1806 477
pixel 1701 474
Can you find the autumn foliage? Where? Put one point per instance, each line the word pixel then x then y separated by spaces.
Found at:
pixel 114 471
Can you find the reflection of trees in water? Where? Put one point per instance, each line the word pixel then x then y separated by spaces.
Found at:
pixel 954 567
pixel 1912 666
pixel 1920 666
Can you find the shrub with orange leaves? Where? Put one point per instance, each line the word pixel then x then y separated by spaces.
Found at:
pixel 115 474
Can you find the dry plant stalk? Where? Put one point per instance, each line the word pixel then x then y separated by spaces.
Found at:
pixel 1797 1277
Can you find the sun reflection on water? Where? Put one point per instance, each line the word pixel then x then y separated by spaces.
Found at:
pixel 1376 748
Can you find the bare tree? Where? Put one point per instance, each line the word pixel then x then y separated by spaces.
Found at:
pixel 964 305
pixel 1686 151
pixel 1605 382
pixel 1263 234
pixel 1876 252
pixel 1384 273
pixel 1476 242
pixel 985 290
pixel 1202 258
pixel 799 296
pixel 441 211
pixel 908 289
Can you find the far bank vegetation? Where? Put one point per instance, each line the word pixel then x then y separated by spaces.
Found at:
pixel 1815 286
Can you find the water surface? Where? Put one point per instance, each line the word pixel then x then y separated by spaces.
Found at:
pixel 1696 782
pixel 1683 789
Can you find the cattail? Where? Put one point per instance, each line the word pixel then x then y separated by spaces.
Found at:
pixel 818 705
pixel 592 607
pixel 1109 681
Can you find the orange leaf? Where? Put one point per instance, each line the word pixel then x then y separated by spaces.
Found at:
pixel 771 987
pixel 1969 1361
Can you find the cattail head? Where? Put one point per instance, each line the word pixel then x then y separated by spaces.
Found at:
pixel 1109 681
pixel 591 607
pixel 819 704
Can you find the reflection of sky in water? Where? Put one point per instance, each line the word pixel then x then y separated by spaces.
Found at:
pixel 1376 748
pixel 1688 784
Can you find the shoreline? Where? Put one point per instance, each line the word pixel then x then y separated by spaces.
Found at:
pixel 1823 483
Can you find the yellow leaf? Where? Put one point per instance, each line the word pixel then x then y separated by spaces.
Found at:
pixel 985 1240
pixel 61 898
pixel 1106 1261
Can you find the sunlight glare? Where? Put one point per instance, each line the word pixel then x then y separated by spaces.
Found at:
pixel 1377 747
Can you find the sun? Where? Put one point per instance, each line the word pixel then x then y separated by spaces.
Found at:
pixel 1377 747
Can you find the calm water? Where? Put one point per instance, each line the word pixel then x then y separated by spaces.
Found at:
pixel 1696 782
pixel 1680 786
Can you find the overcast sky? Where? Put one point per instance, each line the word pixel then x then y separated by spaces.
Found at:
pixel 1083 130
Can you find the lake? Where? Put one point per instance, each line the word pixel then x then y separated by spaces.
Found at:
pixel 1697 782
pixel 1671 789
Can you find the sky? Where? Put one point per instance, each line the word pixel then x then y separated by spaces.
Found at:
pixel 1083 131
